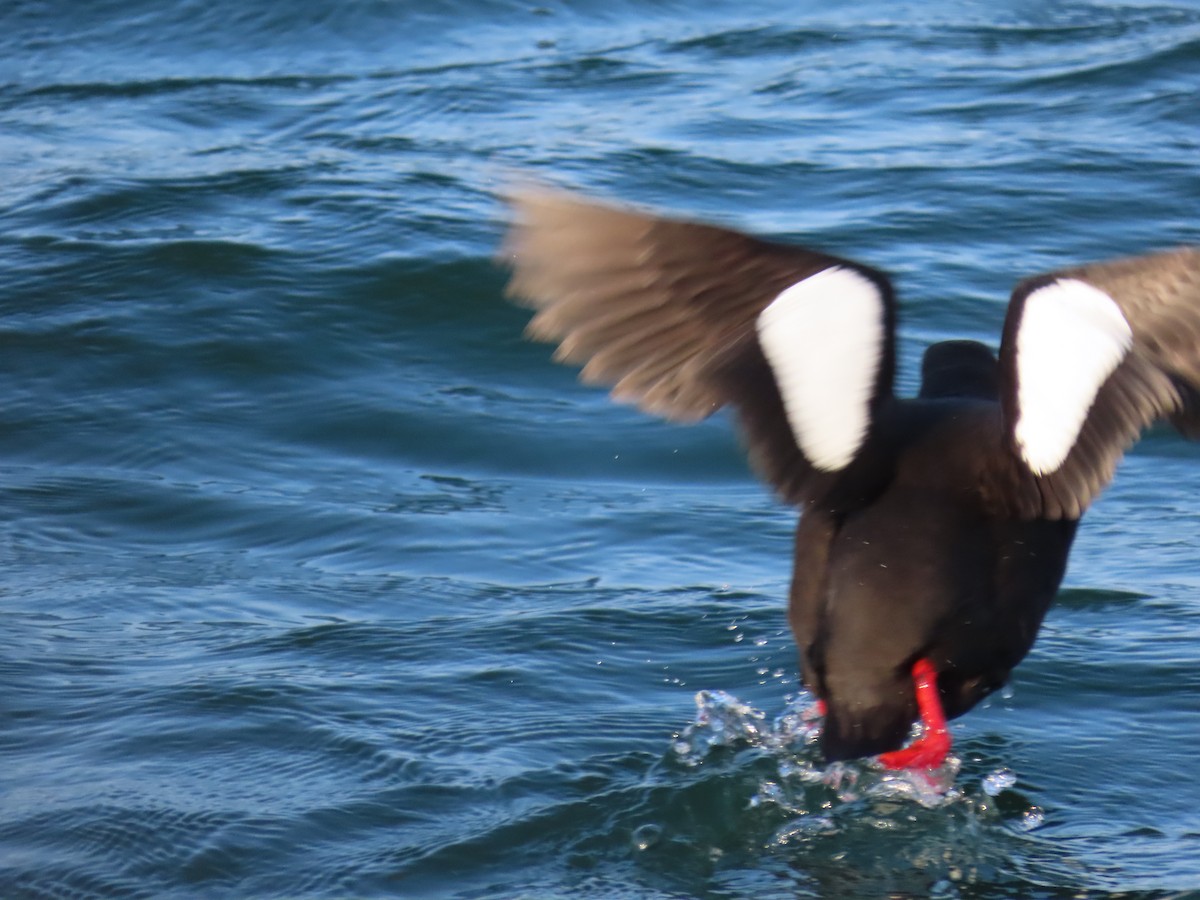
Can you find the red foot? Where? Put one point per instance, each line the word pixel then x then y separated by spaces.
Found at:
pixel 930 749
pixel 813 712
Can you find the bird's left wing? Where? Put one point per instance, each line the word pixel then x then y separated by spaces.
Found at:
pixel 1090 357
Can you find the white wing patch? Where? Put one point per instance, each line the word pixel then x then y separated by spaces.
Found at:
pixel 1070 339
pixel 823 338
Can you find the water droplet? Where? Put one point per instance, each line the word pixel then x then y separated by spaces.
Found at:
pixel 804 827
pixel 1032 818
pixel 768 792
pixel 1000 780
pixel 944 890
pixel 646 836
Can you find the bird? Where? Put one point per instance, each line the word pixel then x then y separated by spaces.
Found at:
pixel 934 530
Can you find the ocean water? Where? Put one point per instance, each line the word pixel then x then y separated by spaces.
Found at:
pixel 318 581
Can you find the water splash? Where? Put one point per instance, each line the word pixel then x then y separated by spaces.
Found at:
pixel 1032 818
pixel 646 836
pixel 807 791
pixel 721 721
pixel 1000 780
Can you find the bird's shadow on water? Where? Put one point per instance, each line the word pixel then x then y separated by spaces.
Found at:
pixel 743 805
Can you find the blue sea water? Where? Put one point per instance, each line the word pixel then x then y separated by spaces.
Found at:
pixel 318 581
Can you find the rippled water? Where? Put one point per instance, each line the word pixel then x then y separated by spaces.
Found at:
pixel 319 582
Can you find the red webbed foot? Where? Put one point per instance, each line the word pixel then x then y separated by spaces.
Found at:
pixel 930 749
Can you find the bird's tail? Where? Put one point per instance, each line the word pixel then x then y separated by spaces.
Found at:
pixel 854 730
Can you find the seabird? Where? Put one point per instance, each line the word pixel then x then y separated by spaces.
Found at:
pixel 934 530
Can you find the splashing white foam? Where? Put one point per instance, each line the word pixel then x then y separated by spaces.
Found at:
pixel 809 791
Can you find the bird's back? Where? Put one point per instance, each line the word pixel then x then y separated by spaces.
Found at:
pixel 917 565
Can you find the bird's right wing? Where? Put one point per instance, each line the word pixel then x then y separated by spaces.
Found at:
pixel 682 318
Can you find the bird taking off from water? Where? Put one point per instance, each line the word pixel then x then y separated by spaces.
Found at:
pixel 934 530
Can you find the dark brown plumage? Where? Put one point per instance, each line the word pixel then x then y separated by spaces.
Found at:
pixel 938 540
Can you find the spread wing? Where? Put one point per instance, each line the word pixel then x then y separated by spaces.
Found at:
pixel 1090 357
pixel 683 318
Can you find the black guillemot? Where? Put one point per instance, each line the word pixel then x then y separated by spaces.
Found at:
pixel 934 530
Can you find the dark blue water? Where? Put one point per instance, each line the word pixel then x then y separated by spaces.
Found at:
pixel 317 581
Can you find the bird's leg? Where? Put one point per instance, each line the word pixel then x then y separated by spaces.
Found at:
pixel 930 749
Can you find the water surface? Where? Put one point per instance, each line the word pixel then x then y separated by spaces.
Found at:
pixel 319 582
